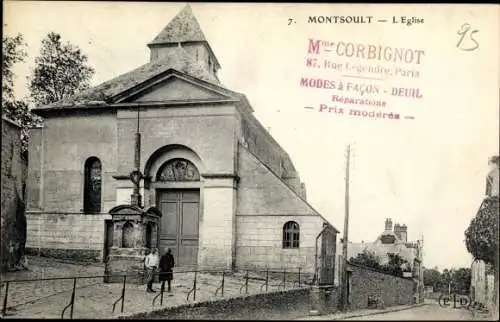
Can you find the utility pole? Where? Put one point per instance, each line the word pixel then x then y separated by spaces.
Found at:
pixel 344 292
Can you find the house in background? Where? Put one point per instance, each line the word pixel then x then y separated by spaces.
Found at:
pixel 393 240
pixel 229 194
pixel 482 289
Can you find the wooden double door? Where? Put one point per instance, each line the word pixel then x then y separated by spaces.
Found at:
pixel 179 228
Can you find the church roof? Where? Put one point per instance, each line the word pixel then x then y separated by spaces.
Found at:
pixel 177 59
pixel 184 27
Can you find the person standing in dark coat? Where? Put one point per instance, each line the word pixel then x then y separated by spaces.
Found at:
pixel 166 274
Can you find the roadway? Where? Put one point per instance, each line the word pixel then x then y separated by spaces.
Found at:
pixel 431 311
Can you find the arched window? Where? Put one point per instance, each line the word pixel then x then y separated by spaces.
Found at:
pixel 127 235
pixel 178 170
pixel 92 186
pixel 291 235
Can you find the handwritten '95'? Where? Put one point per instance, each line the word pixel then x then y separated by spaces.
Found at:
pixel 466 43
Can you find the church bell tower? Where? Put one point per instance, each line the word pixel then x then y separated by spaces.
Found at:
pixel 184 31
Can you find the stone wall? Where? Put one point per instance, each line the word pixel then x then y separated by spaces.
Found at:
pixel 365 283
pixel 265 204
pixel 63 235
pixel 12 216
pixel 216 226
pixel 259 243
pixel 59 150
pixel 325 300
pixel 482 283
pixel 205 136
pixel 57 158
pixel 294 303
pixel 208 131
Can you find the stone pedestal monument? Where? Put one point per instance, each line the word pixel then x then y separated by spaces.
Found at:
pixel 134 231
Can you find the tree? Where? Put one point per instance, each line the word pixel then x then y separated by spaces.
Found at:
pixel 370 259
pixel 394 266
pixel 432 278
pixel 13 52
pixel 366 258
pixel 446 281
pixel 61 71
pixel 481 237
pixel 457 280
pixel 461 280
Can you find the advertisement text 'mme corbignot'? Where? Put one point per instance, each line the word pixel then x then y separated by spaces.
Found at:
pixel 367 51
pixel 362 69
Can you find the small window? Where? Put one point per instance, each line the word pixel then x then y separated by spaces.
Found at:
pixel 291 235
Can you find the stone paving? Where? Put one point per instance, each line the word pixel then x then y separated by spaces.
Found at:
pixel 94 299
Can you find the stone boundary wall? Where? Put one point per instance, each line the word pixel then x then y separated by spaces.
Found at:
pixel 294 302
pixel 390 290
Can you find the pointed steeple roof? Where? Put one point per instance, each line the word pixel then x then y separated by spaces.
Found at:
pixel 184 27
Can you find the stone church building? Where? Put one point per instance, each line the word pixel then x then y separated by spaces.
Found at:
pixel 229 194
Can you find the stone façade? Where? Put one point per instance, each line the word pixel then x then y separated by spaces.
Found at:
pixel 248 186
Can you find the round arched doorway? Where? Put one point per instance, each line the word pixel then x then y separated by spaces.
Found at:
pixel 177 190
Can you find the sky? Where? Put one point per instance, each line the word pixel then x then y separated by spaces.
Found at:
pixel 427 172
